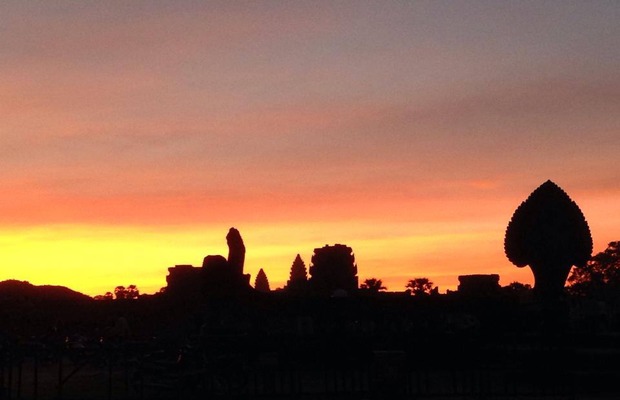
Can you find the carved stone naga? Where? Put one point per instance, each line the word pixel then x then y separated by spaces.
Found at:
pixel 549 233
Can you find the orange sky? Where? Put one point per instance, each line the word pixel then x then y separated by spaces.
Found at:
pixel 134 134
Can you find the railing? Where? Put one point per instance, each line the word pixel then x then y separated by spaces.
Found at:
pixel 139 370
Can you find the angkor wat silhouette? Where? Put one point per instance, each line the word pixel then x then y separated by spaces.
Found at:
pixel 210 334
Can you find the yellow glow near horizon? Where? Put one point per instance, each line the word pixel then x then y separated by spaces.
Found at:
pixel 95 259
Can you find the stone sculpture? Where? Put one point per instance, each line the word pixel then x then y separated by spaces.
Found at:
pixel 549 233
pixel 222 277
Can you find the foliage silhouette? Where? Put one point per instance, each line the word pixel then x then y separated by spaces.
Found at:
pixel 333 268
pixel 420 286
pixel 519 291
pixel 517 287
pixel 600 277
pixel 119 293
pixel 106 296
pixel 373 285
pixel 130 292
pixel 549 233
pixel 262 283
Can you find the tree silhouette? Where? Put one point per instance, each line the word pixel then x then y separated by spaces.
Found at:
pixel 261 283
pixel 420 286
pixel 517 290
pixel 373 285
pixel 130 292
pixel 549 233
pixel 601 275
pixel 107 296
pixel 298 280
pixel 333 268
pixel 120 293
pixel 517 287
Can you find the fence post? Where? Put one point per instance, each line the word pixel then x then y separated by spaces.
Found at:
pixel 19 379
pixel 36 374
pixel 10 377
pixel 60 382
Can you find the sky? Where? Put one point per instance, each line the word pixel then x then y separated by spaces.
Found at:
pixel 133 135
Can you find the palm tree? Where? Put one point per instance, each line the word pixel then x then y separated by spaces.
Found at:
pixel 549 233
pixel 373 285
pixel 419 286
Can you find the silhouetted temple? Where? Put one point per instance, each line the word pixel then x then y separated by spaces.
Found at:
pixel 210 335
pixel 479 285
pixel 222 277
pixel 333 269
pixel 183 280
pixel 298 280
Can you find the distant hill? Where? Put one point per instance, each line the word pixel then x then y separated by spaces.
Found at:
pixel 19 291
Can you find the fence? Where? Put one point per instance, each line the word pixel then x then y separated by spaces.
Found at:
pixel 146 370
